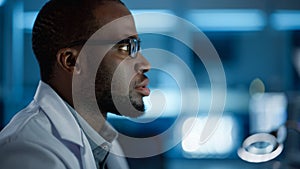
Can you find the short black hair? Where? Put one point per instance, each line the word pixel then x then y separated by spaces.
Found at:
pixel 59 23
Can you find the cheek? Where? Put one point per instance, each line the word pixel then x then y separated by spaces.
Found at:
pixel 122 78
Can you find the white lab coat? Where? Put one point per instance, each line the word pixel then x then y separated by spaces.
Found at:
pixel 45 135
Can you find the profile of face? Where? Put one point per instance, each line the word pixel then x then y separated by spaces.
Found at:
pixel 120 82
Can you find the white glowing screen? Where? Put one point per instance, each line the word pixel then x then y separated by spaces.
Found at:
pixel 220 143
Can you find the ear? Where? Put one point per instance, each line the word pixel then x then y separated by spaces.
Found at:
pixel 66 59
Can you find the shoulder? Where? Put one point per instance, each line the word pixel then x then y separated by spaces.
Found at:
pixel 22 123
pixel 29 141
pixel 28 155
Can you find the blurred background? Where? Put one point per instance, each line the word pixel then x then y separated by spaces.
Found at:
pixel 258 42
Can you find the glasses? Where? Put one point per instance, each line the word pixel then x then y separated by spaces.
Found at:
pixel 129 46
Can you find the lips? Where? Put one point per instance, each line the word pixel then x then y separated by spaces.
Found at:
pixel 142 88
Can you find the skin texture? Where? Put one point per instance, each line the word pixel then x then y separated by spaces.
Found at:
pixel 128 73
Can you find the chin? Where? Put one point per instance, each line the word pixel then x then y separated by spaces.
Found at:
pixel 132 111
pixel 131 105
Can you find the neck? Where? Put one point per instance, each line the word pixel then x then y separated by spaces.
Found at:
pixel 63 88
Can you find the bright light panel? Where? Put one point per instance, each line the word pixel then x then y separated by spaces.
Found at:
pixel 29 18
pixel 228 20
pixel 153 20
pixel 2 2
pixel 220 143
pixel 268 111
pixel 286 20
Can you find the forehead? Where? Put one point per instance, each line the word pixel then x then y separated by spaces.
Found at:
pixel 117 17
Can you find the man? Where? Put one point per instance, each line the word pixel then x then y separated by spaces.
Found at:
pixel 60 128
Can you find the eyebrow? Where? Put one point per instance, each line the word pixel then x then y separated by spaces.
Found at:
pixel 133 37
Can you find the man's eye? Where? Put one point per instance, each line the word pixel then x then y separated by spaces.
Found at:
pixel 124 47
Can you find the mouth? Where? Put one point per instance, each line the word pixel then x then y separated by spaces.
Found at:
pixel 142 88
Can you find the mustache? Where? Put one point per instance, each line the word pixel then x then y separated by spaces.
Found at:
pixel 140 80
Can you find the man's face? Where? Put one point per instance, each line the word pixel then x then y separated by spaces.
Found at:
pixel 120 83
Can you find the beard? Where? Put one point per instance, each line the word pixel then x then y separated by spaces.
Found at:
pixel 130 104
pixel 119 105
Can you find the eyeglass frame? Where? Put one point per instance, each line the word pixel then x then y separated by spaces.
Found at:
pixel 132 49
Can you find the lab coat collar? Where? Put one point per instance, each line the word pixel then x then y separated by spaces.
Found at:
pixel 106 136
pixel 59 114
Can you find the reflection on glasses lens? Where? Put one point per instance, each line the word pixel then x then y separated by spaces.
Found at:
pixel 130 45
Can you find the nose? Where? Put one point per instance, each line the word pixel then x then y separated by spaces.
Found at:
pixel 142 65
